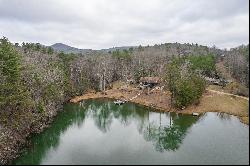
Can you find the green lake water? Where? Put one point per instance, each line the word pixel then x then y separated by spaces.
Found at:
pixel 100 132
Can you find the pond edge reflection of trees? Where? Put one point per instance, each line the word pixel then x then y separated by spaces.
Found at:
pixel 164 137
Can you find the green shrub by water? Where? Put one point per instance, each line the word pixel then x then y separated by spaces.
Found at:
pixel 185 85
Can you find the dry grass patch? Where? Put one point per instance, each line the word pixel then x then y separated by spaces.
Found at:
pixel 211 102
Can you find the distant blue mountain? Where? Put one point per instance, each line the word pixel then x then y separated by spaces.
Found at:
pixel 68 49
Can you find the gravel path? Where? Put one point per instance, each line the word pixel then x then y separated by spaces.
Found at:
pixel 223 93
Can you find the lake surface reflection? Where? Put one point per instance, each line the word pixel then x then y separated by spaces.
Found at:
pixel 100 132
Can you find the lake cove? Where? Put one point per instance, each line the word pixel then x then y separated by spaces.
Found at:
pixel 100 132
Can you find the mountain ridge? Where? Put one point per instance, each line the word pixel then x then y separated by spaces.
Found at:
pixel 69 49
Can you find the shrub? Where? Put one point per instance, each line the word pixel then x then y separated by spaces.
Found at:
pixel 188 91
pixel 185 85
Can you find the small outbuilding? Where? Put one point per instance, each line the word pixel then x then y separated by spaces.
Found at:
pixel 150 81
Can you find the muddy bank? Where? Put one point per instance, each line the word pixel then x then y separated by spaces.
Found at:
pixel 160 100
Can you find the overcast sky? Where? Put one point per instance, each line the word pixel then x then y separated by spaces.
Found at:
pixel 100 24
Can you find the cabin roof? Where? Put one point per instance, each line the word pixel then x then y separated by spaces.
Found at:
pixel 151 80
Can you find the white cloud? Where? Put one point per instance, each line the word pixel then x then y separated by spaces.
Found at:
pixel 106 23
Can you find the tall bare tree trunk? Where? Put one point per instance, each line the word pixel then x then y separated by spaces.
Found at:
pixel 104 80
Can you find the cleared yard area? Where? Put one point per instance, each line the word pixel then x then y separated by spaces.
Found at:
pixel 211 101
